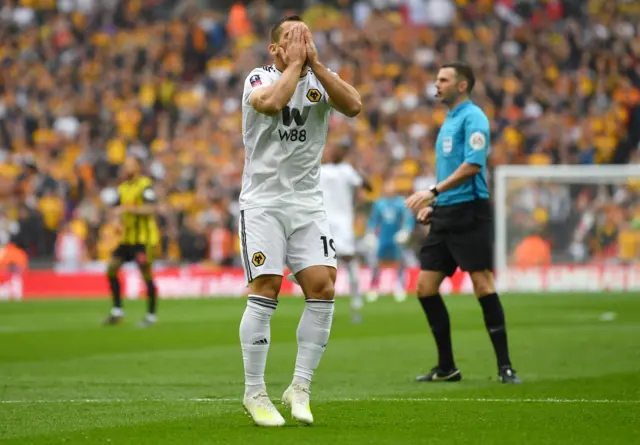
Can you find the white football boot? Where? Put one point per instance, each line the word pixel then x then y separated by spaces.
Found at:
pixel 372 296
pixel 297 398
pixel 261 410
pixel 399 294
pixel 148 320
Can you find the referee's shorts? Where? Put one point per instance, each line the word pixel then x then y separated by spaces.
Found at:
pixel 461 235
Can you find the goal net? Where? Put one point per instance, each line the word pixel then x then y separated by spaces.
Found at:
pixel 567 228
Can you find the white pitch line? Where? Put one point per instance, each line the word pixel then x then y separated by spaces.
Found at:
pixel 109 401
pixel 337 399
pixel 490 400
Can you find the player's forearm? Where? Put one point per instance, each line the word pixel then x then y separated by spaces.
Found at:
pixel 278 95
pixel 366 183
pixel 344 97
pixel 458 177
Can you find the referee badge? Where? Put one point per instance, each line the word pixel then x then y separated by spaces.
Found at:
pixel 477 141
pixel 447 144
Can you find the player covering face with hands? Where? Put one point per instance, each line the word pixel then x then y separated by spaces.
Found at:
pixel 296 46
pixel 285 120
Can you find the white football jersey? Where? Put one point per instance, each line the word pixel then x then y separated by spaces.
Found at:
pixel 283 152
pixel 339 183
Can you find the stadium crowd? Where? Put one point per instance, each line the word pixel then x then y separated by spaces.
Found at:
pixel 84 83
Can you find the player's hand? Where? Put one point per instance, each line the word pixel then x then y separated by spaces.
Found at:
pixel 424 215
pixel 402 237
pixel 297 49
pixel 282 54
pixel 419 200
pixel 312 52
pixel 370 240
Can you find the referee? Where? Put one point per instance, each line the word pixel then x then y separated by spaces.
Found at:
pixel 460 215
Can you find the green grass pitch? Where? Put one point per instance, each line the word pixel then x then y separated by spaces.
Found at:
pixel 64 379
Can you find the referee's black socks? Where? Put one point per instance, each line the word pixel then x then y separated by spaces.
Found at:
pixel 494 321
pixel 438 318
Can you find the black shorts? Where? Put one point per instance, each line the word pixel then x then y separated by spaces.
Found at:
pixel 460 235
pixel 140 253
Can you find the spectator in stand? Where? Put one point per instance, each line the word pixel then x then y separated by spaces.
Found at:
pixel 70 246
pixel 532 251
pixel 12 258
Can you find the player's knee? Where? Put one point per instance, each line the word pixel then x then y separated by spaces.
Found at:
pixel 322 290
pixel 428 283
pixel 425 288
pixel 482 283
pixel 146 273
pixel 318 282
pixel 267 286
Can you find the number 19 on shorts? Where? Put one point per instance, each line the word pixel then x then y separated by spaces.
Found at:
pixel 328 244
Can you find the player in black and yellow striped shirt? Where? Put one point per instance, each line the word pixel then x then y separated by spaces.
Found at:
pixel 136 207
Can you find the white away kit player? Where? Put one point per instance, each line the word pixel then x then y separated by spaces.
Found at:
pixel 285 119
pixel 339 182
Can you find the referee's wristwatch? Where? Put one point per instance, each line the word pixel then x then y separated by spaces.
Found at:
pixel 434 190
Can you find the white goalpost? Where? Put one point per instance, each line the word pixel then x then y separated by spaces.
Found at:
pixel 567 228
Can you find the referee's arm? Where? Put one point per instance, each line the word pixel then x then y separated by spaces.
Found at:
pixel 476 137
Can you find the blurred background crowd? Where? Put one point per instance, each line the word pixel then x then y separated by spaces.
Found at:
pixel 83 83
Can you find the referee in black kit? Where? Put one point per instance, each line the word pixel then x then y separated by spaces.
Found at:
pixel 460 214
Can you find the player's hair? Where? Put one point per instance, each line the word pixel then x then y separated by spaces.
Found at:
pixel 276 29
pixel 463 71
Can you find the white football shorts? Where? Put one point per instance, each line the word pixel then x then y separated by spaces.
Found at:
pixel 272 238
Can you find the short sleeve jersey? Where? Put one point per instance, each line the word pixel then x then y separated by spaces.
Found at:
pixel 463 138
pixel 283 152
pixel 138 229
